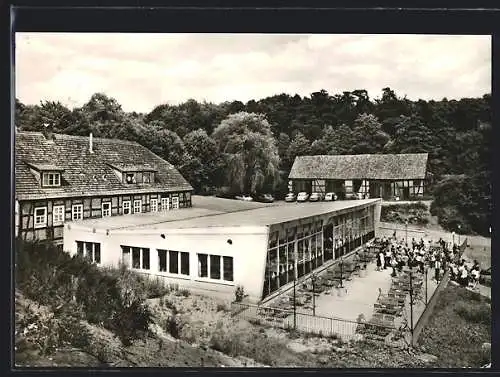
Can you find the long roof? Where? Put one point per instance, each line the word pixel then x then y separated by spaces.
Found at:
pixel 85 173
pixel 361 166
pixel 215 212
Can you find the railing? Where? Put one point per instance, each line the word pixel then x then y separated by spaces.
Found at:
pixel 338 328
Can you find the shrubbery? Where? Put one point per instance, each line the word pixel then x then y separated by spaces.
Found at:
pixel 465 201
pixel 113 298
pixel 416 213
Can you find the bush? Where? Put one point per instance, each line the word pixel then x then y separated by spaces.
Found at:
pixel 221 308
pixel 475 314
pixel 174 326
pixel 113 298
pixel 416 213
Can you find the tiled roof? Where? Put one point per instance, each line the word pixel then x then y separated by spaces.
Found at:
pixel 361 166
pixel 85 173
pixel 40 166
pixel 132 168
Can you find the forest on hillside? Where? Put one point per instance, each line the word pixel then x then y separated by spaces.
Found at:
pixel 252 146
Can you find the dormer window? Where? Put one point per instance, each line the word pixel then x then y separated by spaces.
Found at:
pixel 51 179
pixel 130 178
pixel 146 177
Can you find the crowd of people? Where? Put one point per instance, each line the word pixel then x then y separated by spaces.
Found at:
pixel 396 254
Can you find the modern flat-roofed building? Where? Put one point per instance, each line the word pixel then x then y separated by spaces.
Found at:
pixel 371 175
pixel 63 178
pixel 219 244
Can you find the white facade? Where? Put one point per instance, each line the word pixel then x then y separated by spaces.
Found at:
pixel 214 259
pixel 247 247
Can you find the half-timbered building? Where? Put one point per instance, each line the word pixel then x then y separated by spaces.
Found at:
pixel 62 178
pixel 385 176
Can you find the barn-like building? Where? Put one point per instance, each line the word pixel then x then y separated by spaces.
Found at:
pixel 386 176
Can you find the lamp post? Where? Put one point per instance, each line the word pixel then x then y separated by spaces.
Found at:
pixel 453 237
pixel 426 269
pixel 458 232
pixel 313 281
pixel 341 263
pixel 406 232
pixel 294 304
pixel 411 302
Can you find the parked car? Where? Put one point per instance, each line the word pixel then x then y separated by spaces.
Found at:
pixel 244 197
pixel 290 197
pixel 316 197
pixel 353 196
pixel 330 196
pixel 224 195
pixel 302 196
pixel 263 198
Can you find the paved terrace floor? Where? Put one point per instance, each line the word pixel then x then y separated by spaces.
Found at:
pixel 361 295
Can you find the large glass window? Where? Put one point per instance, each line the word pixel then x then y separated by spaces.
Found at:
pixel 185 263
pixel 173 264
pixel 162 260
pixel 215 267
pixel 89 250
pixel 203 265
pixel 228 268
pixel 136 257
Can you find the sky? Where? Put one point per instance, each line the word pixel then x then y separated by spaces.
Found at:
pixel 142 71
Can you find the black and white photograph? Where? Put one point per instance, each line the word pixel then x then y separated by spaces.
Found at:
pixel 251 200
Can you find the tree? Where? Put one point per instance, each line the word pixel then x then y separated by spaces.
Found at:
pixel 299 146
pixel 249 150
pixel 367 135
pixel 102 114
pixel 202 160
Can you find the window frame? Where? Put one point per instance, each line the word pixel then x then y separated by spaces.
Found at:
pixel 55 219
pixel 155 206
pixel 130 263
pixel 103 210
pixel 44 217
pixel 164 208
pixel 73 212
pixel 129 205
pixel 84 251
pixel 176 200
pixel 134 206
pixel 133 178
pixel 222 275
pixel 46 179
pixel 167 258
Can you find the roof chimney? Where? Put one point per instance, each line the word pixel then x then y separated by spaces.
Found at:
pixel 91 144
pixel 47 131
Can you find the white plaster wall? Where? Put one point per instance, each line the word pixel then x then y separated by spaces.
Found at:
pixel 248 249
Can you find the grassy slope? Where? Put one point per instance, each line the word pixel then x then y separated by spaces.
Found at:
pixel 460 324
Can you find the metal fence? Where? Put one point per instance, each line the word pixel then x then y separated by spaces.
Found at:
pixel 430 303
pixel 338 328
